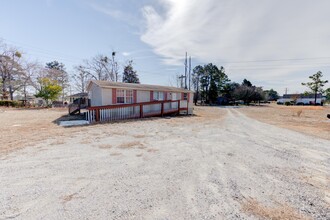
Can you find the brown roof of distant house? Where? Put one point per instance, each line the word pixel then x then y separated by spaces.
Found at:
pixel 120 85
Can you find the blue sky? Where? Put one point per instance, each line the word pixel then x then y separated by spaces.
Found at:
pixel 275 44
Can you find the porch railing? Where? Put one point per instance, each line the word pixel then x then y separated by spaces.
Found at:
pixel 136 110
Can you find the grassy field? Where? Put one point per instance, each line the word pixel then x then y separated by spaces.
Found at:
pixel 309 120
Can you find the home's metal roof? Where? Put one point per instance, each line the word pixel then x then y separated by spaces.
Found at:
pixel 120 85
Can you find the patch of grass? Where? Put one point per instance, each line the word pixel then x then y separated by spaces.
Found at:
pixel 85 141
pixel 152 150
pixel 68 198
pixel 140 136
pixel 58 142
pixel 253 207
pixel 115 154
pixel 105 146
pixel 128 145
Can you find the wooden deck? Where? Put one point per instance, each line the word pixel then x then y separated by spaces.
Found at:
pixel 136 110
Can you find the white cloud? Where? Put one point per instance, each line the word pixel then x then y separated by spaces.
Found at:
pixel 239 30
pixel 126 54
pixel 115 13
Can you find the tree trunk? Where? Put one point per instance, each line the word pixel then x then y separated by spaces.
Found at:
pixel 315 98
pixel 11 93
pixel 3 90
pixel 25 98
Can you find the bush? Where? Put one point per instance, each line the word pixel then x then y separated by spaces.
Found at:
pixel 287 103
pixel 9 103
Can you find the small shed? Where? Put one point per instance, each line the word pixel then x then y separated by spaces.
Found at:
pixel 131 100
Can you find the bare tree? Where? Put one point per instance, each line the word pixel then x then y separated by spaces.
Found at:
pixel 100 68
pixel 10 69
pixel 30 69
pixel 81 77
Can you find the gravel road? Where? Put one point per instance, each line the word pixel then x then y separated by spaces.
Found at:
pixel 231 167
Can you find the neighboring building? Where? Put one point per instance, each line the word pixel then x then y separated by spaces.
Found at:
pixel 301 99
pixel 81 95
pixel 77 102
pixel 30 100
pixel 153 97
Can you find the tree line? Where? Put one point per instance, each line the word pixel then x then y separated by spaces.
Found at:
pixel 52 81
pixel 212 85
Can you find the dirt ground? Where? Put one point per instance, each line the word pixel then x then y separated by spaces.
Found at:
pixel 219 164
pixel 310 120
pixel 24 127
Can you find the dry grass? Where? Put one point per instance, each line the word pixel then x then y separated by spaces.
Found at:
pixel 128 145
pixel 105 146
pixel 115 154
pixel 20 128
pixel 86 141
pixel 253 207
pixel 57 142
pixel 27 127
pixel 140 136
pixel 68 198
pixel 152 150
pixel 310 120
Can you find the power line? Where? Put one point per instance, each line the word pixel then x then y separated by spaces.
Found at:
pixel 277 60
pixel 279 67
pixel 41 50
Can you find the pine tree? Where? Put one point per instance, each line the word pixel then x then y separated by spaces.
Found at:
pixel 130 75
pixel 316 86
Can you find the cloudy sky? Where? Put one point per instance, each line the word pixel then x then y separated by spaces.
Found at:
pixel 273 43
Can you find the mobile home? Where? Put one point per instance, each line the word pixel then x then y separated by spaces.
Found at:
pixel 116 100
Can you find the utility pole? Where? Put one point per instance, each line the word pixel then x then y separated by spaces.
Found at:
pixel 286 91
pixel 189 71
pixel 181 78
pixel 185 71
pixel 113 66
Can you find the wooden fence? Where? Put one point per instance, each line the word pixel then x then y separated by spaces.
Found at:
pixel 136 110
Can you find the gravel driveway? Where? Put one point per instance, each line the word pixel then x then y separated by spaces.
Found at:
pixel 231 167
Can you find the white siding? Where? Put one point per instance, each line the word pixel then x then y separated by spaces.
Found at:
pixel 103 96
pixel 106 96
pixel 143 96
pixel 95 95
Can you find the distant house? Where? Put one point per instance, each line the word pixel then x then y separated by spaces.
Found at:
pixel 30 100
pixel 301 99
pixel 130 100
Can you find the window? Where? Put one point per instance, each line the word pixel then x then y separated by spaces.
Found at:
pixel 159 96
pixel 124 96
pixel 185 96
pixel 120 96
pixel 129 96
